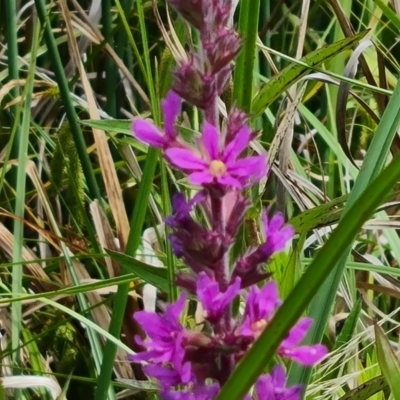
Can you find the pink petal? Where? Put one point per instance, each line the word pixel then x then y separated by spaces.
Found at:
pixel 276 223
pixel 148 133
pixel 201 178
pixel 306 355
pixel 297 333
pixel 229 180
pixel 278 376
pixel 211 140
pixel 248 167
pixel 171 106
pixel 238 144
pixel 185 159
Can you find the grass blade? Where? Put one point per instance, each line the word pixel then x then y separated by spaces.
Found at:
pixel 265 347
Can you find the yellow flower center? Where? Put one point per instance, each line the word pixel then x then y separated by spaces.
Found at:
pixel 259 326
pixel 217 168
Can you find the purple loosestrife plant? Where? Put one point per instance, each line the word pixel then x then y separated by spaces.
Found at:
pixel 194 364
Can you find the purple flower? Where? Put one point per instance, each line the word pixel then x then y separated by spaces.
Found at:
pixel 213 300
pixel 218 166
pixel 306 354
pixel 260 308
pixel 163 332
pixel 150 134
pixel 198 392
pixel 273 387
pixel 277 234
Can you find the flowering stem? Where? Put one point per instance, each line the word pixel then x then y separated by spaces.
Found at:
pixel 211 114
pixel 218 226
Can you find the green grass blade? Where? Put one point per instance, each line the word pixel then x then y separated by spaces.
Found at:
pixel 367 389
pixel 67 101
pixel 153 275
pixel 139 212
pixel 243 75
pixel 12 57
pixel 325 260
pixel 292 73
pixel 23 142
pixel 375 159
pixel 388 362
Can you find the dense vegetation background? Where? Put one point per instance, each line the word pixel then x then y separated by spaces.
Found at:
pixel 79 196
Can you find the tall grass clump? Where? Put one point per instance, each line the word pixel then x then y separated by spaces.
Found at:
pixel 199 200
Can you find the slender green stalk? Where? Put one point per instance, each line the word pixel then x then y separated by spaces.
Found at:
pixel 67 101
pixel 170 257
pixel 18 231
pixel 243 75
pixel 111 70
pixel 12 59
pixel 138 217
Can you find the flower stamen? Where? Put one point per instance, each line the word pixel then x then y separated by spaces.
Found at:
pixel 217 168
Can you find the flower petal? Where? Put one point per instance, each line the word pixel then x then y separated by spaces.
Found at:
pixel 185 160
pixel 201 178
pixel 306 355
pixel 237 145
pixel 297 333
pixel 171 106
pixel 229 180
pixel 250 167
pixel 210 139
pixel 148 133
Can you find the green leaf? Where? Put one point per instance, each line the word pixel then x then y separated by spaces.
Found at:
pixel 155 276
pixel 243 75
pixel 388 362
pixel 349 326
pixel 292 73
pixel 146 386
pixel 322 215
pixel 263 350
pixel 372 166
pixel 366 390
pixel 110 125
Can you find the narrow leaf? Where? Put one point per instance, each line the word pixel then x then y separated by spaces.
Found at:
pixel 294 72
pixel 388 361
pixel 155 276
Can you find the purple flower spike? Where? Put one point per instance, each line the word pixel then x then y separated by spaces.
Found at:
pixel 307 354
pixel 221 167
pixel 214 302
pixel 162 332
pixel 273 387
pixel 148 133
